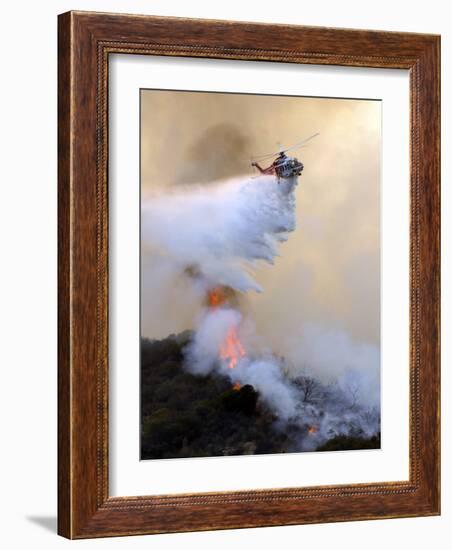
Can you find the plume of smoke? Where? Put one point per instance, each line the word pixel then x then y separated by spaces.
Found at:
pixel 266 377
pixel 201 355
pixel 346 404
pixel 262 372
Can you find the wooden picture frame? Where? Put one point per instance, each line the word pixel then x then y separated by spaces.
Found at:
pixel 85 42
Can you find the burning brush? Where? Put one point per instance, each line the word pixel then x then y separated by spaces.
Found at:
pixel 231 349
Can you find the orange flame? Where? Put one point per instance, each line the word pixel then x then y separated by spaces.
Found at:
pixel 216 297
pixel 231 349
pixel 236 386
pixel 312 429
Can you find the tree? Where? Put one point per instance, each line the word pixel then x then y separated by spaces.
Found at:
pixel 353 392
pixel 244 400
pixel 309 387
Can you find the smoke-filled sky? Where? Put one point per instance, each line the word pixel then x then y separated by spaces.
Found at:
pixel 328 271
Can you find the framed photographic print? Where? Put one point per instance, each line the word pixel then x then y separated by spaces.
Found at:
pixel 248 275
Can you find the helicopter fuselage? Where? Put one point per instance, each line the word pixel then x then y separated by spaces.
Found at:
pixel 282 167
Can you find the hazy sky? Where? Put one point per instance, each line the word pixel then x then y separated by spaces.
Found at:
pixel 328 271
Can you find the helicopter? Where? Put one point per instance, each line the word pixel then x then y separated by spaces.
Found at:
pixel 283 167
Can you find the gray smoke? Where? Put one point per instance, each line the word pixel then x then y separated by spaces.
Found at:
pixel 317 409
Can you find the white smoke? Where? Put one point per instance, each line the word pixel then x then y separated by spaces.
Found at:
pixel 262 372
pixel 202 354
pixel 266 377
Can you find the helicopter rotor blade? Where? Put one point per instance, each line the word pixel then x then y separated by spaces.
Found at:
pixel 262 157
pixel 299 144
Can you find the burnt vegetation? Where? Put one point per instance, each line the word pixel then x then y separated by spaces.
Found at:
pixel 183 415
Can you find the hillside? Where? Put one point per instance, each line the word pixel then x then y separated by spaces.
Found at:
pixel 183 415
